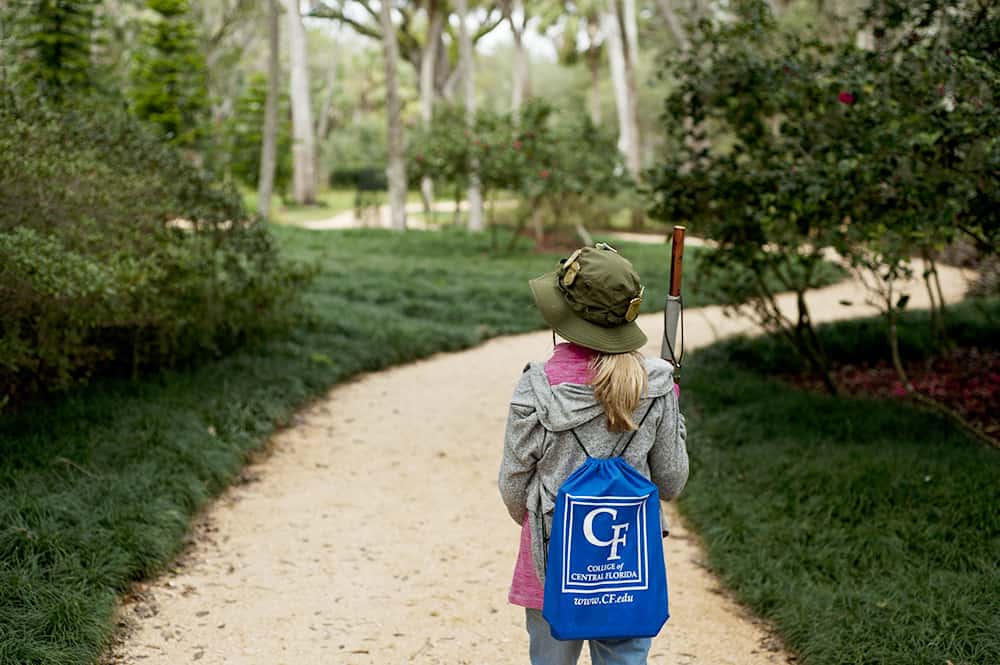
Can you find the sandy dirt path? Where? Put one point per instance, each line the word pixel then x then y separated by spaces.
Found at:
pixel 415 221
pixel 374 532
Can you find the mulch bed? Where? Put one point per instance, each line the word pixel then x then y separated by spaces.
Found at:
pixel 966 380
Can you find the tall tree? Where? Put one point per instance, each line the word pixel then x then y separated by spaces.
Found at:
pixel 674 23
pixel 230 30
pixel 364 18
pixel 593 53
pixel 467 66
pixel 269 143
pixel 304 148
pixel 169 79
pixel 428 65
pixel 623 81
pixel 567 24
pixel 58 37
pixel 396 168
pixel 517 16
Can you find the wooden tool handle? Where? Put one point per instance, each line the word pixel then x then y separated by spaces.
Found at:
pixel 676 260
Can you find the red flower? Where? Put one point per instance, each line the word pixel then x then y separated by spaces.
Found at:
pixel 544 174
pixel 845 97
pixel 517 145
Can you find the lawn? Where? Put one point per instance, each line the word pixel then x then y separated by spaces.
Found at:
pixel 868 531
pixel 97 489
pixel 329 203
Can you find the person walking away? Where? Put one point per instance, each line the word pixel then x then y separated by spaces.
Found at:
pixel 594 390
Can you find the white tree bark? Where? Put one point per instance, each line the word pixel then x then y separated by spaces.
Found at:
pixel 396 169
pixel 323 120
pixel 428 66
pixel 269 144
pixel 674 24
pixel 593 56
pixel 469 86
pixel 518 20
pixel 304 149
pixel 631 28
pixel 623 82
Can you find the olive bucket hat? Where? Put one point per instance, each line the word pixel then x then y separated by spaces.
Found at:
pixel 593 300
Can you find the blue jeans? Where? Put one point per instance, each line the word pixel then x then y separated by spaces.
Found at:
pixel 547 650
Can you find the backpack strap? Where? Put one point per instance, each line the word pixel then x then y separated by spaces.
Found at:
pixel 580 443
pixel 627 443
pixel 638 427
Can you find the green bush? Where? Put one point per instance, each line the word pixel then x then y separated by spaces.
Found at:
pixel 866 530
pixel 785 143
pixel 96 274
pixel 560 163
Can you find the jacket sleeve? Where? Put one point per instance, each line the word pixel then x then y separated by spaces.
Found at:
pixel 521 451
pixel 668 458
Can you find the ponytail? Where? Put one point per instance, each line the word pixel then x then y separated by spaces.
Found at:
pixel 619 383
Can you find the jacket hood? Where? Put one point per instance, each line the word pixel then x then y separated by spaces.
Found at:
pixel 568 405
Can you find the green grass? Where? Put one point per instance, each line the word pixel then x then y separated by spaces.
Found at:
pixel 869 532
pixel 98 488
pixel 329 203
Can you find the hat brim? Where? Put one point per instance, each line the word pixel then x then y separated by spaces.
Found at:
pixel 571 326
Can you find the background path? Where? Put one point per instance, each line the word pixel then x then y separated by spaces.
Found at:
pixel 443 212
pixel 374 533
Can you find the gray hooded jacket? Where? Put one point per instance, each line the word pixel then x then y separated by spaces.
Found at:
pixel 540 451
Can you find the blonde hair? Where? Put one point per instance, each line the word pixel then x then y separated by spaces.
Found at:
pixel 619 382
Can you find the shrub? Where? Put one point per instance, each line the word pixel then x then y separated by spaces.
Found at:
pixel 786 144
pixel 97 274
pixel 53 42
pixel 562 164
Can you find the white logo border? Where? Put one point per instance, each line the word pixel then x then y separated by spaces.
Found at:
pixel 622 501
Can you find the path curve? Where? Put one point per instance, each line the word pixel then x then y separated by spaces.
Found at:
pixel 374 533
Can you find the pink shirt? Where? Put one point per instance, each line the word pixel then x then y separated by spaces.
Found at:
pixel 569 364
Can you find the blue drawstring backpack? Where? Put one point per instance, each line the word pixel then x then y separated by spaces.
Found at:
pixel 605 577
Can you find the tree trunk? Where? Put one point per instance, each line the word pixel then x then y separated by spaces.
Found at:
pixel 674 24
pixel 622 49
pixel 616 62
pixel 469 85
pixel 269 144
pixel 630 28
pixel 396 169
pixel 623 80
pixel 522 74
pixel 304 150
pixel 428 65
pixel 323 120
pixel 594 65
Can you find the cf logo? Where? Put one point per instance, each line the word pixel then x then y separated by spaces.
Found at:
pixel 617 531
